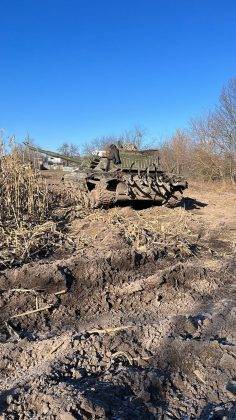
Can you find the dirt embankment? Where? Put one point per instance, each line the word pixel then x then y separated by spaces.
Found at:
pixel 136 321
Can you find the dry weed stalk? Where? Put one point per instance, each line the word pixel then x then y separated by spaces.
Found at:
pixel 25 206
pixel 23 193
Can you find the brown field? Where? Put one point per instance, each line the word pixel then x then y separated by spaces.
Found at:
pixel 126 313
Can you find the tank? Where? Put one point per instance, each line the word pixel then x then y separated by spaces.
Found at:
pixel 116 175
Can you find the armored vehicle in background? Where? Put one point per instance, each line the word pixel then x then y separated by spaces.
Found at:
pixel 115 175
pixel 121 175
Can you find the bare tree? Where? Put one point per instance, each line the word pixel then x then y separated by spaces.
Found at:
pixel 69 149
pixel 217 131
pixel 176 153
pixel 129 139
pixel 223 120
pixel 99 143
pixel 133 137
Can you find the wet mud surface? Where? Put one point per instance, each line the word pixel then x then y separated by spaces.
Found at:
pixel 137 322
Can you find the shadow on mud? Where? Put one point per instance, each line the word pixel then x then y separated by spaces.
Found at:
pixel 3 398
pixel 189 203
pixel 138 204
pixel 108 399
pixel 218 412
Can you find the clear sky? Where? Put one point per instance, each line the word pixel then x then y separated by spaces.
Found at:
pixel 72 70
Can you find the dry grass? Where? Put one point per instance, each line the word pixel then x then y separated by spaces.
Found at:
pixel 23 193
pixel 163 229
pixel 210 186
pixel 26 211
pixel 24 244
pixel 159 227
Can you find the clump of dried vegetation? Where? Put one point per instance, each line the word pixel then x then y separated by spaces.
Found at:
pixel 27 226
pixel 155 230
pixel 24 195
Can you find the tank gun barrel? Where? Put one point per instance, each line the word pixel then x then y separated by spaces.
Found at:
pixel 53 154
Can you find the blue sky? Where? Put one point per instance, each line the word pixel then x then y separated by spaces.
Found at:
pixel 73 70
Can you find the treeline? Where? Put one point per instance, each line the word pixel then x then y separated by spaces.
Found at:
pixel 205 150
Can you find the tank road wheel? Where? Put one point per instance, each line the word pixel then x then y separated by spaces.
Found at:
pixel 101 197
pixel 174 200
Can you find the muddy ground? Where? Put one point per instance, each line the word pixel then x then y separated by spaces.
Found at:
pixel 133 316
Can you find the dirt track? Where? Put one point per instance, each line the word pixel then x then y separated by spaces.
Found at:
pixel 142 326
